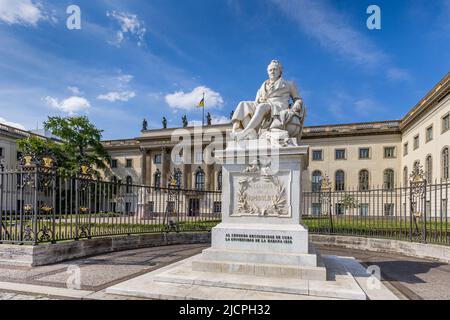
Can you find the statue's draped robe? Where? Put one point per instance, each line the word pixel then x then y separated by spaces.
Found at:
pixel 277 95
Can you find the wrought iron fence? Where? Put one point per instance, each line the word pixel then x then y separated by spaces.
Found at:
pixel 38 205
pixel 418 212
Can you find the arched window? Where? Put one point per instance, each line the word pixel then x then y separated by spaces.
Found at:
pixel 178 176
pixel 219 181
pixel 405 176
pixel 316 181
pixel 157 179
pixel 429 168
pixel 200 179
pixel 445 164
pixel 129 182
pixel 340 180
pixel 388 179
pixel 364 180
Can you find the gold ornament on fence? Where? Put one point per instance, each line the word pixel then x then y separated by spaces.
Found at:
pixel 84 209
pixel 84 169
pixel 28 160
pixel 46 208
pixel 48 162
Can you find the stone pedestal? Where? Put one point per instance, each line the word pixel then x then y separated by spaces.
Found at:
pixel 261 233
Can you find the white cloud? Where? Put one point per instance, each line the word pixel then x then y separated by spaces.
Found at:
pixel 328 26
pixel 24 12
pixel 396 74
pixel 129 24
pixel 220 120
pixel 126 78
pixel 117 96
pixel 12 124
pixel 70 105
pixel 189 100
pixel 75 90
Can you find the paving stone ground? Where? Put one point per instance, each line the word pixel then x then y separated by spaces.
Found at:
pixel 410 278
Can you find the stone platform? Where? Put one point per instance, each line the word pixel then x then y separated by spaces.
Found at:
pixel 180 281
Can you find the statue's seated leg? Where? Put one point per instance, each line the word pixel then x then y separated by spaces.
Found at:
pixel 261 111
pixel 242 115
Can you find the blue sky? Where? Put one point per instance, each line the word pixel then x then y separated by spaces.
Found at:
pixel 135 59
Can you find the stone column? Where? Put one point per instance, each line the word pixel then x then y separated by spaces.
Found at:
pixel 209 179
pixel 164 173
pixel 143 165
pixel 185 182
pixel 148 177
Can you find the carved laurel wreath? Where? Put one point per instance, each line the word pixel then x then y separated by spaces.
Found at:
pixel 277 207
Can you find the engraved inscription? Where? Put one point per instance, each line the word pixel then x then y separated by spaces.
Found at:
pixel 258 238
pixel 261 195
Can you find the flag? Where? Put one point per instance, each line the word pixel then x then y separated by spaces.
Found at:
pixel 201 104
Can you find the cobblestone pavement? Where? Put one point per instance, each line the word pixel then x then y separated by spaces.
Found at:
pixel 410 278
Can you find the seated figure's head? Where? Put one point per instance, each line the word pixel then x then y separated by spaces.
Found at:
pixel 275 70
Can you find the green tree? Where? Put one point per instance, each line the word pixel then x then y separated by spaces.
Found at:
pixel 80 144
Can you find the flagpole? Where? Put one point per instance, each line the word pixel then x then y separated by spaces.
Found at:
pixel 203 112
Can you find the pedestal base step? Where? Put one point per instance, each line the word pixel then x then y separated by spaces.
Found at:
pixel 179 281
pixel 311 259
pixel 261 270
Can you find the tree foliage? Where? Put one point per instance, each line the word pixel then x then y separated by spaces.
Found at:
pixel 80 144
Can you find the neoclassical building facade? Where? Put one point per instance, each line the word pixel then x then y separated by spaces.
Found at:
pixel 353 156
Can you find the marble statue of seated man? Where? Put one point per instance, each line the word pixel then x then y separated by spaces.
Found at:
pixel 274 96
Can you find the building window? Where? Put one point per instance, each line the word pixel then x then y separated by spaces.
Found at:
pixel 364 180
pixel 129 182
pixel 405 149
pixel 364 209
pixel 405 176
pixel 389 152
pixel 200 180
pixel 317 155
pixel 157 179
pixel 340 154
pixel 114 163
pixel 364 153
pixel 1 153
pixel 157 159
pixel 217 207
pixel 127 207
pixel 178 159
pixel 389 209
pixel 416 142
pixel 199 157
pixel 316 181
pixel 114 187
pixel 151 207
pixel 170 207
pixel 219 181
pixel 429 134
pixel 316 209
pixel 446 123
pixel 429 168
pixel 445 169
pixel 339 180
pixel 178 176
pixel 129 163
pixel 340 209
pixel 388 179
